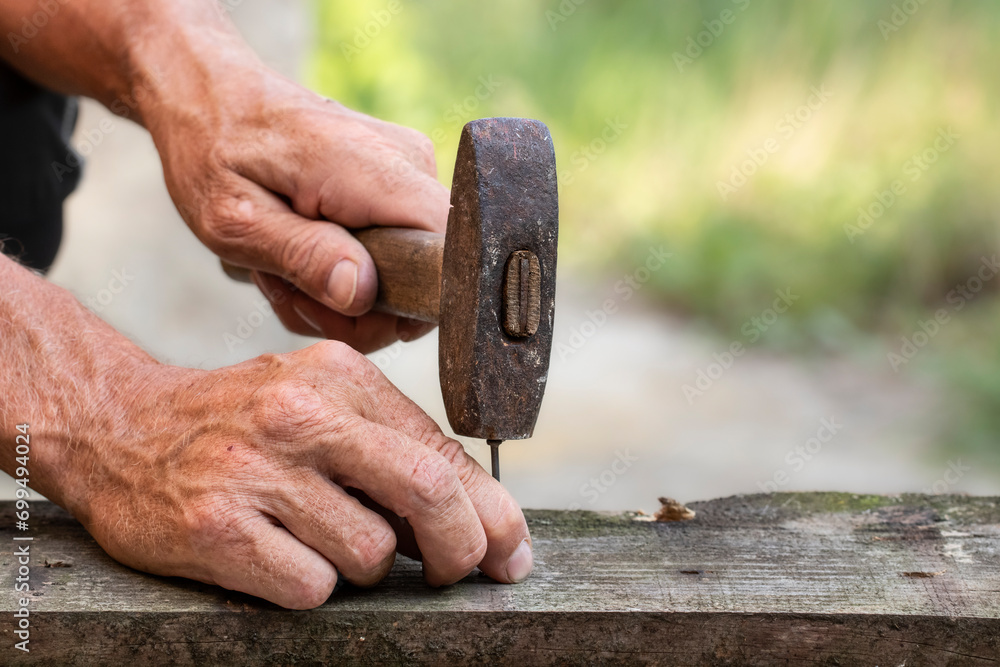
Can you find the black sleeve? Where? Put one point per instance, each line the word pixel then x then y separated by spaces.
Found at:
pixel 38 168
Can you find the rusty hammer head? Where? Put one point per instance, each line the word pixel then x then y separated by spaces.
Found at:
pixel 498 279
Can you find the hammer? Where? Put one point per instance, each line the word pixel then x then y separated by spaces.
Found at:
pixel 489 282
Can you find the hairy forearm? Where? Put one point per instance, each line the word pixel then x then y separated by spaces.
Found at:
pixel 132 55
pixel 62 372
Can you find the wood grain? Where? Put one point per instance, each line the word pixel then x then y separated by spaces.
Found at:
pixel 757 580
pixel 408 262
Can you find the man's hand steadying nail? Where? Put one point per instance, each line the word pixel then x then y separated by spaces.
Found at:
pixel 247 477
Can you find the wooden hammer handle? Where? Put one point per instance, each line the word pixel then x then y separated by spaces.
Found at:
pixel 408 262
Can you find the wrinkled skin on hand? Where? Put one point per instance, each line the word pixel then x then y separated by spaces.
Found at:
pixel 294 470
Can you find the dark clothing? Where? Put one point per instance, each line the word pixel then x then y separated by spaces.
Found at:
pixel 38 168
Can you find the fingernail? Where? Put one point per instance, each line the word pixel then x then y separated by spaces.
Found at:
pixel 408 329
pixel 305 318
pixel 520 564
pixel 343 284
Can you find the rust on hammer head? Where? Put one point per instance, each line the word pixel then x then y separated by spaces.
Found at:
pixel 494 352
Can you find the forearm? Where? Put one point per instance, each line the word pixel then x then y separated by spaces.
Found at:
pixel 132 55
pixel 62 371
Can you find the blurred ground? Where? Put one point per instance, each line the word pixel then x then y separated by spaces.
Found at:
pixel 616 429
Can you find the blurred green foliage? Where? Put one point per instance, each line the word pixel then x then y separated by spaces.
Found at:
pixel 653 104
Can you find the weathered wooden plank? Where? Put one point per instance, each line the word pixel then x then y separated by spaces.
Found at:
pixel 755 580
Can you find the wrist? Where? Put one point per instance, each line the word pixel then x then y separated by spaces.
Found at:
pixel 87 420
pixel 168 53
pixel 179 75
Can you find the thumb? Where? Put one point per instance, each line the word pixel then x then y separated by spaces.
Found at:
pixel 259 231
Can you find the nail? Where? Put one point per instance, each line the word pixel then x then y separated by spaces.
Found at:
pixel 343 284
pixel 520 564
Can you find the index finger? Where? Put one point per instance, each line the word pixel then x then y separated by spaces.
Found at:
pixel 417 483
pixel 508 556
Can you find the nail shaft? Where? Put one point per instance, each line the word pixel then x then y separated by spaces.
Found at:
pixel 495 457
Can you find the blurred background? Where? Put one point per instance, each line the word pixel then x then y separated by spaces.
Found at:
pixel 779 232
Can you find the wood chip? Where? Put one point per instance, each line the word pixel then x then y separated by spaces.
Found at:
pixel 671 510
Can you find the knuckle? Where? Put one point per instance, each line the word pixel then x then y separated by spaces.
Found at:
pixel 229 221
pixel 342 357
pixel 418 142
pixel 454 453
pixel 423 152
pixel 373 552
pixel 511 521
pixel 476 552
pixel 432 482
pixel 270 366
pixel 450 449
pixel 301 255
pixel 216 523
pixel 395 173
pixel 287 404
